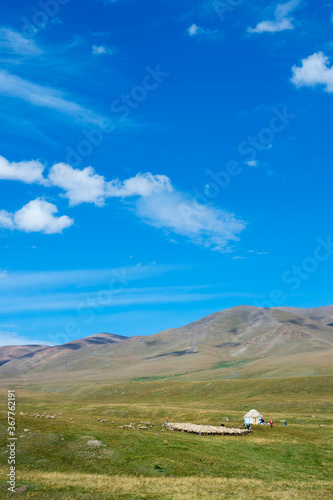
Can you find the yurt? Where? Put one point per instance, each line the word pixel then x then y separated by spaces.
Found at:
pixel 253 417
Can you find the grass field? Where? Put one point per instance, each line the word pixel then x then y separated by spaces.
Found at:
pixel 55 460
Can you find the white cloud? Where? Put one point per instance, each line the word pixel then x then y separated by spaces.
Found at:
pixel 86 186
pixel 80 186
pixel 103 49
pixel 156 203
pixel 45 97
pixel 252 163
pixel 192 30
pixel 195 30
pixel 6 220
pixel 13 41
pixel 313 71
pixel 204 225
pixel 11 338
pixel 29 172
pixel 155 200
pixel 140 185
pixel 36 216
pixel 281 22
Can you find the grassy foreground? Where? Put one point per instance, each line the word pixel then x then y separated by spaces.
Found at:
pixel 83 458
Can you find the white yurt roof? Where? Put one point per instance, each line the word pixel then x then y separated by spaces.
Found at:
pixel 253 414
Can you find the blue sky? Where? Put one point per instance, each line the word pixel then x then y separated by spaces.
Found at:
pixel 161 161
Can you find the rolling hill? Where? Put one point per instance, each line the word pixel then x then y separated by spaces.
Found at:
pixel 7 353
pixel 241 342
pixel 321 314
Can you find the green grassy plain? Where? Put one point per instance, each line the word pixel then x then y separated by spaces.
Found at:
pixel 55 460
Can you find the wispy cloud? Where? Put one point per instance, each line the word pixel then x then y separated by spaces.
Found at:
pixel 13 42
pixel 203 225
pixel 314 70
pixel 129 297
pixel 195 30
pixel 116 277
pixel 282 19
pixel 257 253
pixel 46 97
pixel 98 50
pixel 6 222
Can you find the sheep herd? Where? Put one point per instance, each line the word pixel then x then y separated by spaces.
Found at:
pixel 205 429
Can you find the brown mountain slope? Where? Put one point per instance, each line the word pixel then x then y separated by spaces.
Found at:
pixel 26 357
pixel 7 353
pixel 321 314
pixel 91 341
pixel 230 343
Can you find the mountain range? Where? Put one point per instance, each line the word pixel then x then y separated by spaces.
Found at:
pixel 241 342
